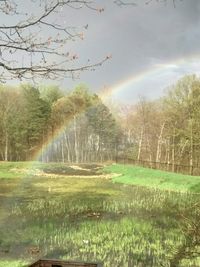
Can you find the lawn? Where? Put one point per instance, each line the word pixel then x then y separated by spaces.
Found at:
pixel 57 211
pixel 135 175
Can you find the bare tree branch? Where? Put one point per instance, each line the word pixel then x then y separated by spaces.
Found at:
pixel 36 44
pixel 53 71
pixel 38 40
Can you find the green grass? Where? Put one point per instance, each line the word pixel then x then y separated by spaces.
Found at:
pixel 136 175
pixel 12 263
pixel 79 218
pixel 10 170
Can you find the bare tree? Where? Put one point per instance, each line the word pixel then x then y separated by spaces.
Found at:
pixel 35 45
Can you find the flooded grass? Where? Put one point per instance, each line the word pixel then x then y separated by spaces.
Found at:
pixel 79 218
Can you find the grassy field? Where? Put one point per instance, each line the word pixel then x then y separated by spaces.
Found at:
pixel 136 175
pixel 79 213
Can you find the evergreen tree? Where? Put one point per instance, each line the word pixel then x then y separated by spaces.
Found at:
pixel 37 114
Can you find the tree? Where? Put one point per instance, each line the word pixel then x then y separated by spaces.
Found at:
pixel 50 93
pixel 182 120
pixel 89 131
pixel 37 114
pixel 12 124
pixel 68 113
pixel 103 131
pixel 142 132
pixel 26 51
pixel 8 110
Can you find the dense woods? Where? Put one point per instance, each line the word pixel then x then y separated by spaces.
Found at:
pixel 84 130
pixel 81 126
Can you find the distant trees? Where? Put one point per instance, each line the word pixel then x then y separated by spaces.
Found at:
pixel 90 131
pixel 78 126
pixel 105 132
pixel 9 99
pixel 24 117
pixel 167 130
pixel 182 110
pixel 83 128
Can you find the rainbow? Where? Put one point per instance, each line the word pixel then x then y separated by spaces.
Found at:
pixel 105 93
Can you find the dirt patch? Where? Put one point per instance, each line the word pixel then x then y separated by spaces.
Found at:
pixel 75 171
pixel 76 167
pixel 72 170
pixel 61 170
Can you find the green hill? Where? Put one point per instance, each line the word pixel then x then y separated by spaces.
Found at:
pixel 136 175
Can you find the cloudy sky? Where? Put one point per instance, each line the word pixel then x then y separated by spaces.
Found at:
pixel 151 46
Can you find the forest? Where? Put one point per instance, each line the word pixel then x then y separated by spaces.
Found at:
pixel 33 115
pixel 84 129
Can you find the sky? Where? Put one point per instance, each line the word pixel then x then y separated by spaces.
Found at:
pixel 152 46
pixel 157 42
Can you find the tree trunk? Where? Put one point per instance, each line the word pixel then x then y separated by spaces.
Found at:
pixel 6 147
pixel 182 151
pixel 168 153
pixel 75 141
pixel 191 150
pixel 173 151
pixel 159 145
pixel 140 144
pixel 62 150
pixel 150 152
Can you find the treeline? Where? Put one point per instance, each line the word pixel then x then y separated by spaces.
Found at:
pixel 73 127
pixel 83 128
pixel 166 130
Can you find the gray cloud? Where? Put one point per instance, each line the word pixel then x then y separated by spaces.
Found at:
pixel 138 37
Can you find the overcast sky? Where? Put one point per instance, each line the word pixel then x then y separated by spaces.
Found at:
pixel 151 46
pixel 158 42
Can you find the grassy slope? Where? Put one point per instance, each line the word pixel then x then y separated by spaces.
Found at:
pixel 154 178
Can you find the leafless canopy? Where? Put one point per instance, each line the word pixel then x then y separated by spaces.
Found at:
pixel 35 45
